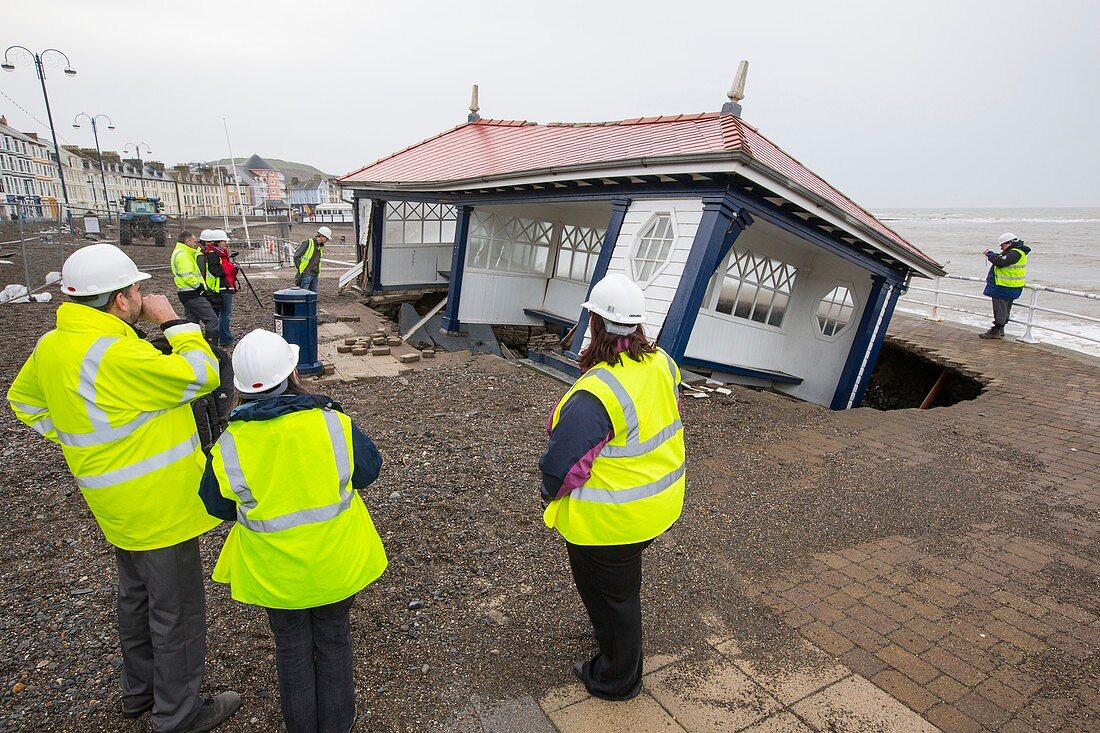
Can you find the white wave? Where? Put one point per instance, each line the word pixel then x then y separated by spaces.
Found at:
pixel 992 220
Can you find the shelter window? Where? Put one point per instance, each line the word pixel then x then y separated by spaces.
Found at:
pixel 654 248
pixel 578 252
pixel 410 223
pixel 509 244
pixel 753 287
pixel 834 311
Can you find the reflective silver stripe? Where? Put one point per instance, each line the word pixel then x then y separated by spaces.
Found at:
pixel 89 370
pixel 629 413
pixel 672 370
pixel 296 519
pixel 141 468
pixel 631 450
pixel 622 496
pixel 106 435
pixel 232 465
pixel 42 426
pixel 29 409
pixel 231 461
pixel 198 361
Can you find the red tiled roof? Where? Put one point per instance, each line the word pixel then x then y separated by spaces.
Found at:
pixel 495 149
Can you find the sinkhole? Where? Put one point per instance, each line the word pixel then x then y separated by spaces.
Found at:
pixel 904 378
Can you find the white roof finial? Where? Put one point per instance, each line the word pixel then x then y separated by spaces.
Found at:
pixel 473 116
pixel 737 91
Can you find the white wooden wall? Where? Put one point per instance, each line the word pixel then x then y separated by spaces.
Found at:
pixel 661 289
pixel 797 347
pixel 499 298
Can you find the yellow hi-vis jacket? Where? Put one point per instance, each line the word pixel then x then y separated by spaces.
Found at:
pixel 185 268
pixel 303 536
pixel 1013 276
pixel 307 256
pixel 120 411
pixel 636 487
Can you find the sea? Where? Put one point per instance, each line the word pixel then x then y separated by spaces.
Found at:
pixel 1065 254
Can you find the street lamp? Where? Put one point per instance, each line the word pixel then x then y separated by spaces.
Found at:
pixel 69 71
pixel 95 134
pixel 141 164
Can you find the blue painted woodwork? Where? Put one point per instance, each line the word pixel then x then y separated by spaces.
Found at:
pixel 562 321
pixel 458 266
pixel 378 228
pixel 619 208
pixel 862 341
pixel 743 371
pixel 722 222
pixel 894 292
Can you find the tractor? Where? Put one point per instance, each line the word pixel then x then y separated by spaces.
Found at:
pixel 141 217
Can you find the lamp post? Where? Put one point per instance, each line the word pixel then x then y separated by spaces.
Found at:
pixel 69 71
pixel 141 163
pixel 102 173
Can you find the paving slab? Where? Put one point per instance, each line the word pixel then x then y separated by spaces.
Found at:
pixel 711 694
pixel 643 714
pixel 855 705
pixel 780 723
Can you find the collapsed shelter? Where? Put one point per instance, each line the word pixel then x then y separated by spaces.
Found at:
pixel 753 267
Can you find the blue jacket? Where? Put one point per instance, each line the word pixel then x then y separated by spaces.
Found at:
pixel 1003 259
pixel 366 461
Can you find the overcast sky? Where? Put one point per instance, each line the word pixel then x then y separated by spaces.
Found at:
pixel 898 104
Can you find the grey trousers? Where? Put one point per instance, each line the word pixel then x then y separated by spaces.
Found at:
pixel 199 310
pixel 1001 311
pixel 162 627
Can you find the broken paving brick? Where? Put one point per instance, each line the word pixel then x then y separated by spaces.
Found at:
pixel 350 342
pixel 428 353
pixel 380 351
pixel 348 319
pixel 343 349
pixel 360 351
pixel 393 341
pixel 409 358
pixel 329 369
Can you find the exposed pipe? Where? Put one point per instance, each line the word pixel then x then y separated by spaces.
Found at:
pixel 934 391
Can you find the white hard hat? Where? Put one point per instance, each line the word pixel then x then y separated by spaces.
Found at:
pixel 325 232
pixel 262 360
pixel 99 269
pixel 617 299
pixel 218 235
pixel 207 235
pixel 1006 237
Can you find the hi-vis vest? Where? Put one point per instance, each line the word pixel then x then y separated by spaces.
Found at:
pixel 120 411
pixel 185 268
pixel 311 247
pixel 303 536
pixel 636 487
pixel 1012 276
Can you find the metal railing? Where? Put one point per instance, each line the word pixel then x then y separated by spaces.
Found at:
pixel 1032 306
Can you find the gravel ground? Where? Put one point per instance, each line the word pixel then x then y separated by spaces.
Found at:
pixel 477 598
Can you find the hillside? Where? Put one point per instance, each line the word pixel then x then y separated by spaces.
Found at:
pixel 290 169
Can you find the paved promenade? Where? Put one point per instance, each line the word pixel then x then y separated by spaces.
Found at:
pixel 994 627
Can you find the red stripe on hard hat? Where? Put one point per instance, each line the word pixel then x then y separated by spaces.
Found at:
pixel 257 385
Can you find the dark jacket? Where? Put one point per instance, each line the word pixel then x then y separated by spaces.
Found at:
pixel 582 431
pixel 313 267
pixel 366 461
pixel 1003 259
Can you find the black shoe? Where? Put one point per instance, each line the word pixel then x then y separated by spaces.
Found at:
pixel 134 713
pixel 993 333
pixel 215 711
pixel 578 670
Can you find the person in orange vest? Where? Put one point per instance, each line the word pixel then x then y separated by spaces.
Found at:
pixel 613 477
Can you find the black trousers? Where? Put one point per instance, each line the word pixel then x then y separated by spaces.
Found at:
pixel 162 630
pixel 316 668
pixel 609 580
